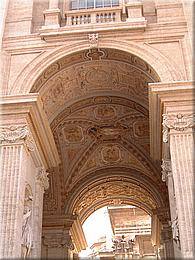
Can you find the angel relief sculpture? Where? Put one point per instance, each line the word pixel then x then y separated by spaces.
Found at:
pixel 27 240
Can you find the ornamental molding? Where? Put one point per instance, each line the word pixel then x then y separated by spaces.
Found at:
pixel 17 133
pixel 166 169
pixel 93 40
pixel 179 122
pixel 110 190
pixel 42 177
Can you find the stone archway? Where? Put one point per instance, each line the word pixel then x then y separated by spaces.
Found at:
pixel 96 101
pixel 27 78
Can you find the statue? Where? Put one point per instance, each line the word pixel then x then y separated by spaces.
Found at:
pixel 26 228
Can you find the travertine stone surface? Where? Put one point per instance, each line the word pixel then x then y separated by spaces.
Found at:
pixel 11 199
pixel 76 92
pixel 182 156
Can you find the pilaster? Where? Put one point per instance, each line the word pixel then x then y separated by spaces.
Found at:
pixel 12 189
pixel 21 194
pixel 172 137
pixel 178 130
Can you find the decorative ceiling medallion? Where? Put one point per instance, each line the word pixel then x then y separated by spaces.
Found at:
pixel 73 134
pixel 111 154
pixel 97 76
pixel 108 132
pixel 141 129
pixel 104 112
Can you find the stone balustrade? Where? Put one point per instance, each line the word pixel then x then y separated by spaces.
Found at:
pixel 130 15
pixel 93 16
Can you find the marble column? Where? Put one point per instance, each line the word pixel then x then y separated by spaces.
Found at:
pixel 178 130
pixel 14 145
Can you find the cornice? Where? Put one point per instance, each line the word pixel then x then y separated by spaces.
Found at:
pixel 34 43
pixel 167 97
pixel 24 118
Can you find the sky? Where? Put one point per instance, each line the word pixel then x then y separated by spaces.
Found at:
pixel 96 226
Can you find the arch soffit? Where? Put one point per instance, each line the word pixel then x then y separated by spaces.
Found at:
pixel 116 202
pixel 154 58
pixel 111 175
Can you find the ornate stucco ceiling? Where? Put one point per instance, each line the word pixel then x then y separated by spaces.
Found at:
pixel 97 104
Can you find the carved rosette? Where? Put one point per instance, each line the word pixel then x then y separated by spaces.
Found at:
pixel 42 177
pixel 178 122
pixel 13 134
pixel 166 169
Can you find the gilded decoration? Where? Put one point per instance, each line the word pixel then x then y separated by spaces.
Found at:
pixel 101 130
pixel 97 132
pixel 112 190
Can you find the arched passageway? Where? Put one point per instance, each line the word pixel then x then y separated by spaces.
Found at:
pixel 96 101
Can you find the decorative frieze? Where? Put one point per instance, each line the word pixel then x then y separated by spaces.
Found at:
pixel 179 122
pixel 166 169
pixel 17 133
pixel 42 176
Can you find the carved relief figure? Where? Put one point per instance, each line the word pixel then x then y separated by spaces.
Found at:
pixel 111 154
pixel 73 134
pixel 27 240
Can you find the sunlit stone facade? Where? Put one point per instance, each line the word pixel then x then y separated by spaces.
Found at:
pixel 97 109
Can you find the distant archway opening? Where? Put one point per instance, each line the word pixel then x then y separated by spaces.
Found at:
pixel 119 231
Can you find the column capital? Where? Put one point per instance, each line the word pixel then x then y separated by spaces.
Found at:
pixel 177 121
pixel 23 121
pixel 57 239
pixel 42 177
pixel 17 134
